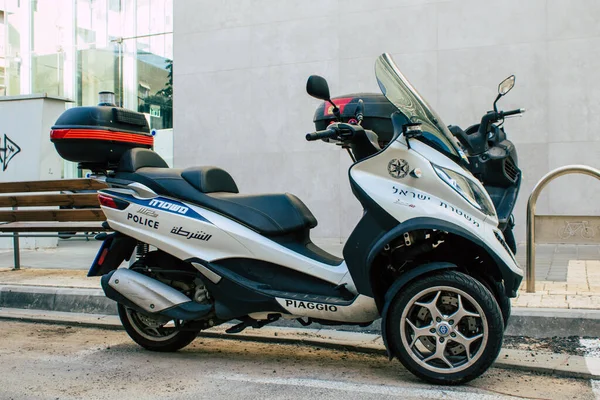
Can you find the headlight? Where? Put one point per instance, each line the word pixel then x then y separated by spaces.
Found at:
pixel 468 189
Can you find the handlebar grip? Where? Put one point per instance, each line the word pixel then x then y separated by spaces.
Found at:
pixel 512 112
pixel 325 134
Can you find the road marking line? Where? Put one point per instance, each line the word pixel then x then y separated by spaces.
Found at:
pixel 592 346
pixel 441 392
pixel 595 388
pixel 592 362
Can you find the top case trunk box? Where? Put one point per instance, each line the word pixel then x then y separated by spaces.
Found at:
pixel 96 137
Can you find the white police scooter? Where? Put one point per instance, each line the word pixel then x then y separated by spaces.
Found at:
pixel 427 255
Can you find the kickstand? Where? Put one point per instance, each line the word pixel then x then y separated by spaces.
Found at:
pixel 303 322
pixel 250 322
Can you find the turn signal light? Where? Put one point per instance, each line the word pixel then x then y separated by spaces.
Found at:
pixel 112 202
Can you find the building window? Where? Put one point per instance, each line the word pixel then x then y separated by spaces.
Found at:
pixel 76 48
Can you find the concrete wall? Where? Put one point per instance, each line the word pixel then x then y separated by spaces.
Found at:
pixel 26 121
pixel 241 68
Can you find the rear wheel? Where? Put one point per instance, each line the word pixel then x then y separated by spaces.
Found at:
pixel 446 328
pixel 564 232
pixel 154 333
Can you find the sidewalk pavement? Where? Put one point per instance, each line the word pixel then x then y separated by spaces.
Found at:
pixel 567 276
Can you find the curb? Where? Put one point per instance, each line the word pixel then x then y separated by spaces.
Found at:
pixel 550 322
pixel 532 322
pixel 51 298
pixel 546 363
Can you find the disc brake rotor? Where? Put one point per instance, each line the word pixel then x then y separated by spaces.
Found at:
pixel 152 322
pixel 150 327
pixel 444 329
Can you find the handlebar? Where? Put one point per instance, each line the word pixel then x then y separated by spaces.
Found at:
pixel 478 141
pixel 492 117
pixel 503 114
pixel 325 134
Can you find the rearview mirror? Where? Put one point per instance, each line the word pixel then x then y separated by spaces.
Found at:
pixel 506 85
pixel 317 87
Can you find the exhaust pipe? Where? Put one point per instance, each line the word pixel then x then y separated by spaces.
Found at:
pixel 149 296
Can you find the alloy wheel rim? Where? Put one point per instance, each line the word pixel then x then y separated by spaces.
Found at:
pixel 444 329
pixel 149 327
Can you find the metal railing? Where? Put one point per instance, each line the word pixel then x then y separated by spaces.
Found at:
pixel 531 203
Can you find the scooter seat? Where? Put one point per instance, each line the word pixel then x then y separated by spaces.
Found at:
pixel 215 189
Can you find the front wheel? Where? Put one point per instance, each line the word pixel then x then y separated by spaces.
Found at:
pixel 154 333
pixel 446 328
pixel 587 233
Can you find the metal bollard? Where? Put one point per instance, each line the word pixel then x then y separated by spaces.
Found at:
pixel 531 203
pixel 17 254
pixel 16 249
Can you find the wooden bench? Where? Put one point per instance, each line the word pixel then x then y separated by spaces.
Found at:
pixel 18 222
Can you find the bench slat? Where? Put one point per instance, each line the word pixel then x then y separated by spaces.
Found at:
pixel 43 200
pixel 52 227
pixel 51 186
pixel 52 215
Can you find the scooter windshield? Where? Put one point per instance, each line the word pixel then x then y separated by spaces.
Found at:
pixel 398 90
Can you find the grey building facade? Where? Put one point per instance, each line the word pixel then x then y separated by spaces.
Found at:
pixel 241 69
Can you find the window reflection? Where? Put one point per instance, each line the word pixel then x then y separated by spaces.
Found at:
pixel 76 48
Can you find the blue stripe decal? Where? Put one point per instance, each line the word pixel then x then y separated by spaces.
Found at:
pixel 161 204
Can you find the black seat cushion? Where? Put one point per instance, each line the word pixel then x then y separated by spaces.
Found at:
pixel 271 214
pixel 210 179
pixel 215 189
pixel 137 158
pixel 268 214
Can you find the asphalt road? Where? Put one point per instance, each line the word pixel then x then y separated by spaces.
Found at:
pixel 39 361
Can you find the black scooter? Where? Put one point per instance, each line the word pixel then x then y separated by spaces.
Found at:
pixel 493 160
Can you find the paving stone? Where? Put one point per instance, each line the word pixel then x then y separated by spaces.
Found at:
pixel 557 276
pixel 587 256
pixel 558 267
pixel 519 302
pixel 565 249
pixel 562 292
pixel 593 264
pixel 579 301
pixel 553 301
pixel 590 252
pixel 554 286
pixel 577 287
pixel 583 306
pixel 535 302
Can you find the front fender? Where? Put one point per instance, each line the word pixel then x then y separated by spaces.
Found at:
pixel 399 284
pixel 505 262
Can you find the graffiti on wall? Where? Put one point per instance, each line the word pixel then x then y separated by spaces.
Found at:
pixel 574 228
pixel 8 151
